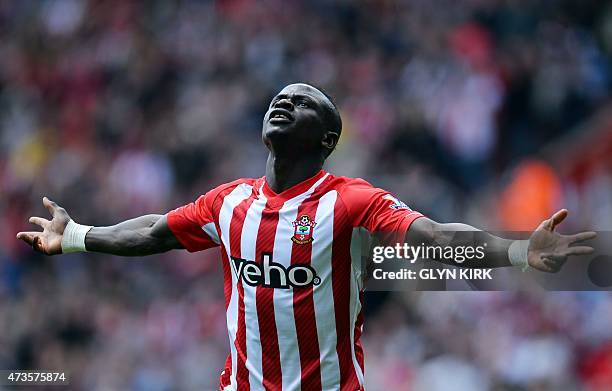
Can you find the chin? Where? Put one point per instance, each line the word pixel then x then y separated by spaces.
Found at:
pixel 271 131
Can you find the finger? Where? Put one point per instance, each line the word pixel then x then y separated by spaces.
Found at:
pixel 579 250
pixel 28 237
pixel 44 223
pixel 556 219
pixel 582 236
pixel 50 205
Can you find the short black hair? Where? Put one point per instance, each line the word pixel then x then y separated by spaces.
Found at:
pixel 333 116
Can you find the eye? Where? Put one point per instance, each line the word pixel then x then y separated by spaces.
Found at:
pixel 302 103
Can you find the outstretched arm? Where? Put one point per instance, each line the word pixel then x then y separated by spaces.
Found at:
pixel 546 250
pixel 144 235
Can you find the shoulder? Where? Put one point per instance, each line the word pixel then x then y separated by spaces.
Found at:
pixel 216 194
pixel 229 186
pixel 226 188
pixel 343 184
pixel 349 188
pixel 353 193
pixel 205 208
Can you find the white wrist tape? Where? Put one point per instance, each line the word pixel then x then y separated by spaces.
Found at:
pixel 517 254
pixel 73 239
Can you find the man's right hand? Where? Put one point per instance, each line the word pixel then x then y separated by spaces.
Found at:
pixel 49 241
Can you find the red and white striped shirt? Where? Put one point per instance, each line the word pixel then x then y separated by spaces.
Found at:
pixel 292 275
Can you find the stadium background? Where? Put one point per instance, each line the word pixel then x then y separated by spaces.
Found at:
pixel 493 112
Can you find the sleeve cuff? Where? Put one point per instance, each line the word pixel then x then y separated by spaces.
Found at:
pixel 173 220
pixel 405 225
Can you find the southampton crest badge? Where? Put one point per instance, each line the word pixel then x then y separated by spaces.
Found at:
pixel 302 233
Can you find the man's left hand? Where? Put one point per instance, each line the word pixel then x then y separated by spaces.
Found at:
pixel 548 250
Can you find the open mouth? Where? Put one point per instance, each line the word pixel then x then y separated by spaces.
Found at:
pixel 280 116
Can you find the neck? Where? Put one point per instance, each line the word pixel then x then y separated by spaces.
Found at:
pixel 285 172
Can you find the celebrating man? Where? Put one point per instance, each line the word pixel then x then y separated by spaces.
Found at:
pixel 291 246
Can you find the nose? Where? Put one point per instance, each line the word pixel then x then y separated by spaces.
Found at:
pixel 284 103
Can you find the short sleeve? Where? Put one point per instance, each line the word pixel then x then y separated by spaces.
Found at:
pixel 194 224
pixel 377 210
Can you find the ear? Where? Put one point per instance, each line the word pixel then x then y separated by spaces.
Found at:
pixel 330 140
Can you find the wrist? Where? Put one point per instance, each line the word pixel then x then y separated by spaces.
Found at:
pixel 73 239
pixel 518 252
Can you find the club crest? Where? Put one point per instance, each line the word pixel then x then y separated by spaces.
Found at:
pixel 302 233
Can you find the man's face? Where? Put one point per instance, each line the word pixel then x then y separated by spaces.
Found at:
pixel 296 117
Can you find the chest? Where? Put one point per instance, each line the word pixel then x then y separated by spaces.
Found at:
pixel 294 232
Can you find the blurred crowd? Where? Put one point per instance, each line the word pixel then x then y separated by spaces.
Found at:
pixel 471 110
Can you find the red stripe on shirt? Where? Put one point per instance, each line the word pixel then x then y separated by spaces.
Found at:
pixel 303 307
pixel 227 267
pixel 272 378
pixel 341 286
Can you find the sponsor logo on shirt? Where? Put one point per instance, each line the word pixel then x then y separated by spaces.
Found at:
pixel 397 204
pixel 274 275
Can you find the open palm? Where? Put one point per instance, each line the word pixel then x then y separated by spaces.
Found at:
pixel 49 241
pixel 548 250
